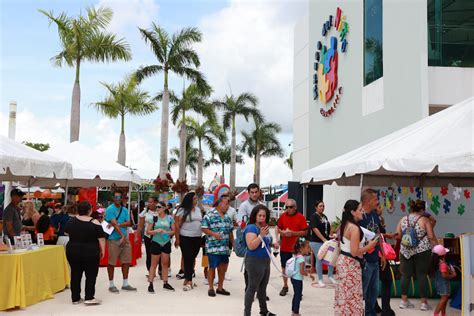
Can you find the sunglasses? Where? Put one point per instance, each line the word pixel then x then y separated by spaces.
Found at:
pixel 160 206
pixel 290 206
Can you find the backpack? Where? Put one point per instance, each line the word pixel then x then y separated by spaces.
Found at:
pixel 240 248
pixel 410 238
pixel 291 269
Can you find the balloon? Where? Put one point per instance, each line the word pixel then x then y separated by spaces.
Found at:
pixel 46 194
pixel 37 194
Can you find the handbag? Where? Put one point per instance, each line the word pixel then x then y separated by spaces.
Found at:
pixel 388 250
pixel 332 253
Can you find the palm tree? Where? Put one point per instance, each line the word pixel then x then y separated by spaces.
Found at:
pixel 207 132
pixel 84 39
pixel 192 157
pixel 223 154
pixel 262 142
pixel 125 98
pixel 174 54
pixel 193 99
pixel 243 105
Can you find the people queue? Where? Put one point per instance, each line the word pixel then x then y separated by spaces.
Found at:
pixel 359 267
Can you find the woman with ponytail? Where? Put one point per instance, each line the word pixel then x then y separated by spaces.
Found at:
pixel 348 295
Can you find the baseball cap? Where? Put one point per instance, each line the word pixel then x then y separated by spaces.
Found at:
pixel 440 250
pixel 16 192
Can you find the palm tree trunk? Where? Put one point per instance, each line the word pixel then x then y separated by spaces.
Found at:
pixel 233 156
pixel 122 152
pixel 222 173
pixel 182 150
pixel 200 166
pixel 257 166
pixel 75 107
pixel 164 134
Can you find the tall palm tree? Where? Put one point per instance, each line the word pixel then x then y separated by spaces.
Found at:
pixel 262 142
pixel 205 133
pixel 174 54
pixel 243 105
pixel 222 157
pixel 84 38
pixel 193 99
pixel 125 98
pixel 192 157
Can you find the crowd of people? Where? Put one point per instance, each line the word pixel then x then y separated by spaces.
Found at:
pixel 356 275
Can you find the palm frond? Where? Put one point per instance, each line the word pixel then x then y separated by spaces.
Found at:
pixel 147 71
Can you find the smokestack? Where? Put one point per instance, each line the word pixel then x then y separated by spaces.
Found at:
pixel 12 120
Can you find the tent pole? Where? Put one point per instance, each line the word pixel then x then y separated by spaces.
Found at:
pixel 129 194
pixel 305 194
pixel 361 182
pixel 29 189
pixel 65 193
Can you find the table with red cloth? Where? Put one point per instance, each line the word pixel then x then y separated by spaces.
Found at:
pixel 136 252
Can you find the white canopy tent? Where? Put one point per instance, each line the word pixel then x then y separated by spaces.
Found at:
pixel 437 150
pixel 90 169
pixel 19 162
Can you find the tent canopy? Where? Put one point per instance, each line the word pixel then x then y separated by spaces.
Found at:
pixel 434 151
pixel 91 169
pixel 282 198
pixel 19 162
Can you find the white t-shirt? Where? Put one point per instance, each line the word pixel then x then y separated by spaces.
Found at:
pixel 245 209
pixel 232 213
pixel 191 225
pixel 148 215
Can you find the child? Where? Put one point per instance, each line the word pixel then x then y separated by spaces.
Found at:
pixel 44 226
pixel 301 250
pixel 443 273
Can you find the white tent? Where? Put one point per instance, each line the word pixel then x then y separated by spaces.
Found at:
pixel 19 162
pixel 434 151
pixel 90 169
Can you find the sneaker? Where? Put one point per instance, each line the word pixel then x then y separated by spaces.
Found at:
pixel 321 283
pixel 129 288
pixel 223 292
pixel 167 286
pixel 93 301
pixel 206 282
pixel 151 289
pixel 333 281
pixel 180 275
pixel 405 305
pixel 227 277
pixel 78 302
pixel 194 275
pixel 267 313
pixel 425 307
pixel 211 293
pixel 284 291
pixel 113 289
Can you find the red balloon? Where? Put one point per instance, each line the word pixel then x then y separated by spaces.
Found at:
pixel 46 194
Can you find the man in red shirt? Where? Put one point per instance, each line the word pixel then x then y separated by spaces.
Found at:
pixel 291 225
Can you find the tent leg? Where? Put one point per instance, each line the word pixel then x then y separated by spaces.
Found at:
pixel 361 182
pixel 305 202
pixel 65 193
pixel 29 189
pixel 129 195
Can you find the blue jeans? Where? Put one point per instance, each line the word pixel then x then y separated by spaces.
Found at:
pixel 370 281
pixel 319 265
pixel 298 293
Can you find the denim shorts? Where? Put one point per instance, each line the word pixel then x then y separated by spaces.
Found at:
pixel 216 260
pixel 443 286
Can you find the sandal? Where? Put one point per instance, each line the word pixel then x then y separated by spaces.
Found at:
pixel 187 288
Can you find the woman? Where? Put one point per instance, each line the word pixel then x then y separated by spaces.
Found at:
pixel 418 255
pixel 348 294
pixel 257 260
pixel 161 228
pixel 144 217
pixel 320 232
pixel 84 250
pixel 188 235
pixel 30 218
pixel 44 227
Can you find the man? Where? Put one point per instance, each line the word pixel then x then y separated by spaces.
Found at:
pixel 291 225
pixel 232 213
pixel 218 228
pixel 118 243
pixel 11 215
pixel 247 206
pixel 370 274
pixel 59 219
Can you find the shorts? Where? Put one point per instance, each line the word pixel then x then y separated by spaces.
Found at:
pixel 157 249
pixel 216 260
pixel 284 257
pixel 443 286
pixel 117 251
pixel 204 261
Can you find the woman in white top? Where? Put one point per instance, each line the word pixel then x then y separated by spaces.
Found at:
pixel 188 236
pixel 348 295
pixel 149 212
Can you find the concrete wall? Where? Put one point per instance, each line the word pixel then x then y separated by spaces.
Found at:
pixel 450 85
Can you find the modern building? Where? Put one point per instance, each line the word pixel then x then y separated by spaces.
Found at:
pixel 366 68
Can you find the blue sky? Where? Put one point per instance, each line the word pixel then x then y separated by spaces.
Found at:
pixel 247 46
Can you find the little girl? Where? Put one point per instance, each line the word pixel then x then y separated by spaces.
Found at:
pixel 443 273
pixel 301 250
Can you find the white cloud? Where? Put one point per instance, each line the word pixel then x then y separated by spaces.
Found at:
pixel 249 46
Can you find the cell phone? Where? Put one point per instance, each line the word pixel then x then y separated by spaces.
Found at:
pixel 376 238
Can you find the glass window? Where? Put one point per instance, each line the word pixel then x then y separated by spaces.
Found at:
pixel 451 33
pixel 373 40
